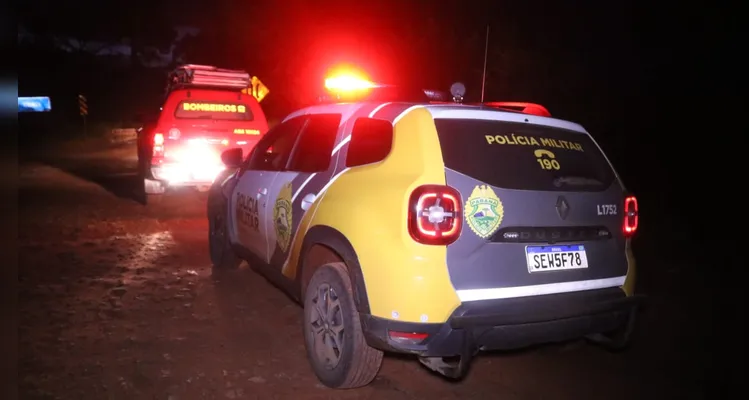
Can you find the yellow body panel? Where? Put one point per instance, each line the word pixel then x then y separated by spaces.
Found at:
pixel 405 280
pixel 290 268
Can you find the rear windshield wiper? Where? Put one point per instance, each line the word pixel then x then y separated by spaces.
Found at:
pixel 576 181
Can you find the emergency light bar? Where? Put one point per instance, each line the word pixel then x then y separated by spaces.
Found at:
pixel 192 75
pixel 348 83
pixel 458 91
pixel 350 87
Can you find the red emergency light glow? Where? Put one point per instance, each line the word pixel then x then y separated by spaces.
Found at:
pixel 348 83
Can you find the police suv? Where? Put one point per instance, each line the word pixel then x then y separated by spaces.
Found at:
pixel 433 229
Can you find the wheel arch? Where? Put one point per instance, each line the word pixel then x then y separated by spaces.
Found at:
pixel 323 244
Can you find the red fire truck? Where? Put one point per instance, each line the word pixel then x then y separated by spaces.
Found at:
pixel 206 111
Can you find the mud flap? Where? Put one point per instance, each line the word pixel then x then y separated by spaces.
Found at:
pixel 452 369
pixel 153 187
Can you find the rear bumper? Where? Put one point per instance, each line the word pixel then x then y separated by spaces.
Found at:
pixel 181 175
pixel 509 323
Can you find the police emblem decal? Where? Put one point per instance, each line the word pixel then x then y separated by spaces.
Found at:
pixel 484 211
pixel 282 217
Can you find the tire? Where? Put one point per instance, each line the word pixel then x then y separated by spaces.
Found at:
pixel 143 163
pixel 219 247
pixel 352 363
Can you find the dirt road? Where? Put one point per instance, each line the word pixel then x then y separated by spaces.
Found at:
pixel 118 301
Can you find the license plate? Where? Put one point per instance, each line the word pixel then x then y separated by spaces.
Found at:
pixel 555 258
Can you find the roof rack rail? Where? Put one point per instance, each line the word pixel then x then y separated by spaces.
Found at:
pixel 207 76
pixel 523 107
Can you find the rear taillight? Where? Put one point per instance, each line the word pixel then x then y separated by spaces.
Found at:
pixel 631 216
pixel 434 215
pixel 158 145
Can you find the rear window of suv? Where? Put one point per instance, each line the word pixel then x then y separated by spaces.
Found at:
pixel 522 156
pixel 196 109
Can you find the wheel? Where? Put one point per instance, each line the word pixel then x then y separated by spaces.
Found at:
pixel 143 163
pixel 222 255
pixel 336 348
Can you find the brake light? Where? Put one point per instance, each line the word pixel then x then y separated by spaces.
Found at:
pixel 631 215
pixel 434 215
pixel 158 147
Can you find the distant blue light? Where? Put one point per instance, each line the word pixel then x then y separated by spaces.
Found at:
pixel 34 104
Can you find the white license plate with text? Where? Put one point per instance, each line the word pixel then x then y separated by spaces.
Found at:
pixel 555 258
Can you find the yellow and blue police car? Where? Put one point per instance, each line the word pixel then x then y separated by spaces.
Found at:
pixel 438 229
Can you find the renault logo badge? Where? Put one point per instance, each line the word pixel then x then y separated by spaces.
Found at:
pixel 563 208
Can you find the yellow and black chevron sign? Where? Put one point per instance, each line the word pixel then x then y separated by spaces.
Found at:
pixel 83 104
pixel 257 89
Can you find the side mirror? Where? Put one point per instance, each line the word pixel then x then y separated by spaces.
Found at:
pixel 232 158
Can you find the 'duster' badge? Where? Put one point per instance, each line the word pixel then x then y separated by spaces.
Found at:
pixel 282 217
pixel 484 211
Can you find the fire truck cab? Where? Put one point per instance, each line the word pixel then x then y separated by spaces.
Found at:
pixel 206 111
